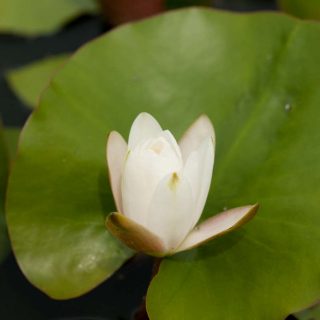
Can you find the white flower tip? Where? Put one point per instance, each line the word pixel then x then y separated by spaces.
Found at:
pixel 144 127
pixel 252 211
pixel 205 122
pixel 144 117
pixel 199 130
pixel 112 138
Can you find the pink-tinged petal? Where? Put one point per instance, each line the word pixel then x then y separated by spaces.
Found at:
pixel 218 225
pixel 198 170
pixel 170 211
pixel 134 235
pixel 143 128
pixel 201 129
pixel 116 153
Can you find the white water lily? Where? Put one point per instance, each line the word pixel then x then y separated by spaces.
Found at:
pixel 160 188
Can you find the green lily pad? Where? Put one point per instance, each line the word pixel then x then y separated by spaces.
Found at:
pixel 307 9
pixel 4 243
pixel 35 17
pixel 263 98
pixel 29 81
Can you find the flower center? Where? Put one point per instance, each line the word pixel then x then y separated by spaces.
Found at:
pixel 157 146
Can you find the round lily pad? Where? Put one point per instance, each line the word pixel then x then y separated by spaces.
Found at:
pixel 257 77
pixel 36 17
pixel 29 81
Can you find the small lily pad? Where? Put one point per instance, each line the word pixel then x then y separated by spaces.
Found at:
pixel 29 81
pixel 34 17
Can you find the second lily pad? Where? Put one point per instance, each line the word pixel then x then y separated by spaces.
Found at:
pixel 34 17
pixel 29 81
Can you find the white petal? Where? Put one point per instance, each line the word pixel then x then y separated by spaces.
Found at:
pixel 173 142
pixel 218 225
pixel 134 235
pixel 195 134
pixel 116 152
pixel 145 166
pixel 198 170
pixel 144 127
pixel 170 210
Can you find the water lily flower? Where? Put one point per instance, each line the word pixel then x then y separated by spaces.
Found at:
pixel 160 188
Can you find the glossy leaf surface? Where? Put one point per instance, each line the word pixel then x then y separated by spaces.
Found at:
pixel 263 98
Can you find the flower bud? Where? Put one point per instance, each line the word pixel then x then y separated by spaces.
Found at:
pixel 160 188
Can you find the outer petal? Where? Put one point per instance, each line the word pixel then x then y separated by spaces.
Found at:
pixel 144 127
pixel 218 225
pixel 116 153
pixel 198 170
pixel 195 134
pixel 134 235
pixel 171 210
